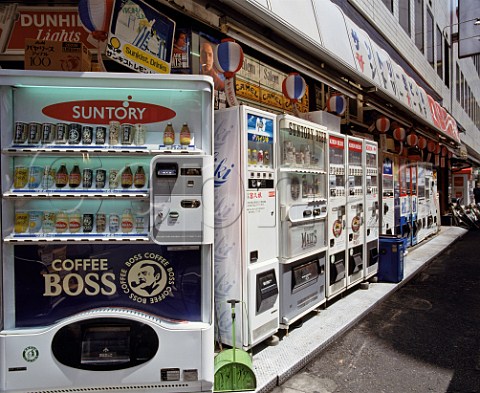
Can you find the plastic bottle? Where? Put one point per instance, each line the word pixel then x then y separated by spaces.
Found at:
pixel 139 178
pixel 127 177
pixel 185 136
pixel 169 135
pixel 61 177
pixel 75 177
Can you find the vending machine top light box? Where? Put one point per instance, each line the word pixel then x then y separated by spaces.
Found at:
pixel 105 285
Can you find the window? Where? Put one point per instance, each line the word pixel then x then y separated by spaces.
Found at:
pixel 388 4
pixel 457 82
pixel 419 33
pixel 430 34
pixel 446 62
pixel 438 43
pixel 404 15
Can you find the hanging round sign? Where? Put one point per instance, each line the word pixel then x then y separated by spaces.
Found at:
pixel 382 124
pixel 399 134
pixel 294 86
pixel 228 57
pixel 337 103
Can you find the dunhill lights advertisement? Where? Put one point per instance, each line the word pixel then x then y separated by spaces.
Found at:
pixel 56 281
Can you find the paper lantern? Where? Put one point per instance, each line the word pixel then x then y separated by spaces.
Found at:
pixel 422 142
pixel 228 57
pixel 438 149
pixel 444 151
pixel 431 146
pixel 294 86
pixel 399 134
pixel 337 104
pixel 382 124
pixel 412 139
pixel 95 16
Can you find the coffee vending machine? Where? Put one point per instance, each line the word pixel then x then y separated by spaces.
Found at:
pixel 423 192
pixel 107 232
pixel 405 217
pixel 302 201
pixel 246 235
pixel 336 272
pixel 414 202
pixel 355 211
pixel 372 209
pixel 431 199
pixel 387 208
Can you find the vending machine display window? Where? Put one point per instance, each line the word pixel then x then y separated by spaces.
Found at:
pixel 260 141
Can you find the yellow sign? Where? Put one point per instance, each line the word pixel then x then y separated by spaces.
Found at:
pixel 247 90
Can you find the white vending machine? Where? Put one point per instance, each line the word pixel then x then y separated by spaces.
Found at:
pixel 405 213
pixel 246 235
pixel 336 220
pixel 372 209
pixel 423 192
pixel 355 211
pixel 387 208
pixel 107 232
pixel 414 202
pixel 302 189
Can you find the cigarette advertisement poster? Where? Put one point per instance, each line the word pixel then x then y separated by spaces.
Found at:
pixel 140 37
pixel 181 60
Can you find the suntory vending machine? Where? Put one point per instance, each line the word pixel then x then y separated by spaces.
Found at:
pixel 414 202
pixel 336 271
pixel 246 236
pixel 355 225
pixel 387 208
pixel 423 192
pixel 302 207
pixel 372 209
pixel 107 232
pixel 405 216
pixel 431 198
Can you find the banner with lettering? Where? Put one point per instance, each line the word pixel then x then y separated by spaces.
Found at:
pixel 53 282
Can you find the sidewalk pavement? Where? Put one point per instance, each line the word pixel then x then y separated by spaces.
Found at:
pixel 273 365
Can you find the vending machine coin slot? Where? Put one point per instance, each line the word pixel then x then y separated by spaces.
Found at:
pixel 253 256
pixel 267 290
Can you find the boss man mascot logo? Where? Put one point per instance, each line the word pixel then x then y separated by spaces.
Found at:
pixel 147 278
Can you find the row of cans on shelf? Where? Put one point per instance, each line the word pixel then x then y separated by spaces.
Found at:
pixel 46 177
pixel 75 133
pixel 49 222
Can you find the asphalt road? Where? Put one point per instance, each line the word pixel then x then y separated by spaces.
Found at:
pixel 423 338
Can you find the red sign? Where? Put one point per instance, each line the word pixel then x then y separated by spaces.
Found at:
pixel 104 111
pixel 47 23
pixel 336 143
pixel 354 146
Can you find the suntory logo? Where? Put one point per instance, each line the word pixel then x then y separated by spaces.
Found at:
pixel 104 111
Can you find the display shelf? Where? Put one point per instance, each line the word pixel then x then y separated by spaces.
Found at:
pixel 95 193
pixel 71 237
pixel 302 170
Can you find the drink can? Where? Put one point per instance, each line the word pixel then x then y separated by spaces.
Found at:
pixel 127 131
pixel 21 132
pixel 48 223
pixel 61 133
pixel 35 175
pixel 74 133
pixel 48 132
pixel 100 135
pixel 113 178
pixel 140 134
pixel 35 221
pixel 74 222
pixel 113 223
pixel 48 179
pixel 61 222
pixel 20 177
pixel 87 222
pixel 101 222
pixel 34 132
pixel 260 157
pixel 21 222
pixel 114 133
pixel 87 135
pixel 100 175
pixel 87 178
pixel 140 224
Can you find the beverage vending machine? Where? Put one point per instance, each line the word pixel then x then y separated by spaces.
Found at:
pixel 372 208
pixel 107 238
pixel 302 188
pixel 355 211
pixel 414 202
pixel 336 270
pixel 404 175
pixel 432 201
pixel 246 236
pixel 387 209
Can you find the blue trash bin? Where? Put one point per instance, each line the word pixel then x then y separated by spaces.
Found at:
pixel 391 262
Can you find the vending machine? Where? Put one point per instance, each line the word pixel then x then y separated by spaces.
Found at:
pixel 423 198
pixel 336 271
pixel 432 201
pixel 404 225
pixel 414 203
pixel 387 208
pixel 372 209
pixel 355 211
pixel 107 232
pixel 302 207
pixel 246 235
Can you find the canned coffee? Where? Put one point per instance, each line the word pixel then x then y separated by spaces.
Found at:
pixel 127 131
pixel 100 135
pixel 140 133
pixel 34 132
pixel 113 178
pixel 21 132
pixel 113 223
pixel 100 176
pixel 61 133
pixel 87 135
pixel 87 178
pixel 101 222
pixel 87 222
pixel 74 133
pixel 48 132
pixel 114 133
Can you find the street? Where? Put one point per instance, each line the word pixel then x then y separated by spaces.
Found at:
pixel 423 338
